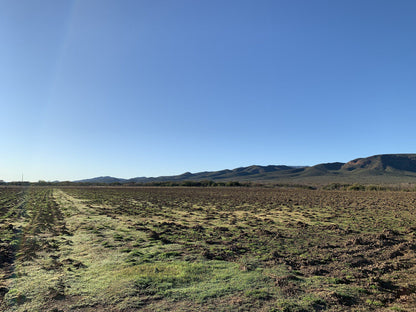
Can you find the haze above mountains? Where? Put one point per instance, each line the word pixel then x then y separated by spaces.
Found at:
pixel 386 168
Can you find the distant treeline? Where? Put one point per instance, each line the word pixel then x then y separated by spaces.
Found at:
pixel 204 183
pixel 165 183
pixel 370 187
pixel 210 183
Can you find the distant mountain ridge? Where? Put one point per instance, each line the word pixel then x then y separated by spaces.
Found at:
pixel 105 179
pixel 385 168
pixel 388 162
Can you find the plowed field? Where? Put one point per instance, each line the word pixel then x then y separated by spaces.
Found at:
pixel 206 249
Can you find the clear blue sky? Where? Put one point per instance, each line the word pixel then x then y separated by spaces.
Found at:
pixel 149 88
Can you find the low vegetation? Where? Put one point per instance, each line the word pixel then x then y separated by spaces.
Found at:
pixel 206 249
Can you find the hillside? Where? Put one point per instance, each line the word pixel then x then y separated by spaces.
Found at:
pixel 384 163
pixel 387 168
pixel 105 179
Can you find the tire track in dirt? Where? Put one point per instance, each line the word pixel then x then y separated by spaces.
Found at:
pixel 40 227
pixel 94 258
pixel 13 215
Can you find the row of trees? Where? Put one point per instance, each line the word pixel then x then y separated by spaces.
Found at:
pixel 210 183
pixel 204 183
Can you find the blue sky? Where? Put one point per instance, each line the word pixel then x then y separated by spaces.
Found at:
pixel 149 88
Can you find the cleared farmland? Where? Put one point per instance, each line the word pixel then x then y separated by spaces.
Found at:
pixel 223 249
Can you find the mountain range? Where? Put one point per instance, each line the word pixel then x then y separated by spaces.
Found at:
pixel 386 168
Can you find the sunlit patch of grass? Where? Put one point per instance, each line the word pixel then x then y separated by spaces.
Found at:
pixel 108 280
pixel 33 287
